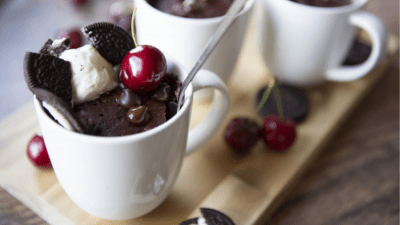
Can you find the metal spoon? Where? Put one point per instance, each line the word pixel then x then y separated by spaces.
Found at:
pixel 212 42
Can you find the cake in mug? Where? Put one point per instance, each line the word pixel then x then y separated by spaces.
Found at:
pixel 324 3
pixel 81 88
pixel 193 8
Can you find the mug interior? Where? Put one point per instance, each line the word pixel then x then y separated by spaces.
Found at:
pixel 172 67
pixel 218 19
pixel 355 4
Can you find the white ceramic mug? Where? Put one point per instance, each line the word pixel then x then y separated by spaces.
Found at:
pixel 120 178
pixel 306 45
pixel 185 38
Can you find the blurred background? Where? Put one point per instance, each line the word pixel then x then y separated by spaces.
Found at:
pixel 25 25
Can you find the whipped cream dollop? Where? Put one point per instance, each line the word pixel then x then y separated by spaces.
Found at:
pixel 92 75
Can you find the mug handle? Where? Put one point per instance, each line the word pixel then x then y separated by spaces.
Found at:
pixel 209 125
pixel 377 31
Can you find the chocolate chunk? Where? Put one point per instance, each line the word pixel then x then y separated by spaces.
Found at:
pixel 51 48
pixel 162 92
pixel 111 41
pixel 138 115
pixel 294 102
pixel 50 73
pixel 128 99
pixel 358 53
pixel 62 107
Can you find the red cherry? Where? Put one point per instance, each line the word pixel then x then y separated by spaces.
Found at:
pixel 143 68
pixel 37 152
pixel 76 38
pixel 278 135
pixel 74 35
pixel 241 135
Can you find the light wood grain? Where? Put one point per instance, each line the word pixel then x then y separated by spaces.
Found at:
pixel 247 190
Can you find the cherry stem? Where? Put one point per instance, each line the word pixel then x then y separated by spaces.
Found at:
pixel 266 94
pixel 133 27
pixel 279 104
pixel 273 86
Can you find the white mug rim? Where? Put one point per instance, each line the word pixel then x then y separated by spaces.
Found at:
pixel 126 138
pixel 354 5
pixel 211 20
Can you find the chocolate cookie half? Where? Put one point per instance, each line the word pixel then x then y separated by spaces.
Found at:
pixel 58 109
pixel 294 102
pixel 111 41
pixel 50 73
pixel 211 217
pixel 192 221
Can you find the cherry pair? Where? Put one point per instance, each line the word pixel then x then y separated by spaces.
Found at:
pixel 277 131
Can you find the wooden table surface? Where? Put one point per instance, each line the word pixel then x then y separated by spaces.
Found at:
pixel 355 180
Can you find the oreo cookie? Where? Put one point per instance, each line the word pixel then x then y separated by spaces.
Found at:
pixel 214 217
pixel 65 112
pixel 50 73
pixel 192 221
pixel 211 216
pixel 294 102
pixel 358 53
pixel 111 41
pixel 55 48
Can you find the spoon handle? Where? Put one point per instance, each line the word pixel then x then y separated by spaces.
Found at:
pixel 212 42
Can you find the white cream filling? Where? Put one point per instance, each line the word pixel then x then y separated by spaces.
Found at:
pixel 56 43
pixel 58 116
pixel 201 221
pixel 91 73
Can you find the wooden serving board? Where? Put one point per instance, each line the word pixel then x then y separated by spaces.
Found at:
pixel 247 190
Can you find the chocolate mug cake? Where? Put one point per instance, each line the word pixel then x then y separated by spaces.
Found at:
pixel 193 8
pixel 324 3
pixel 80 88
